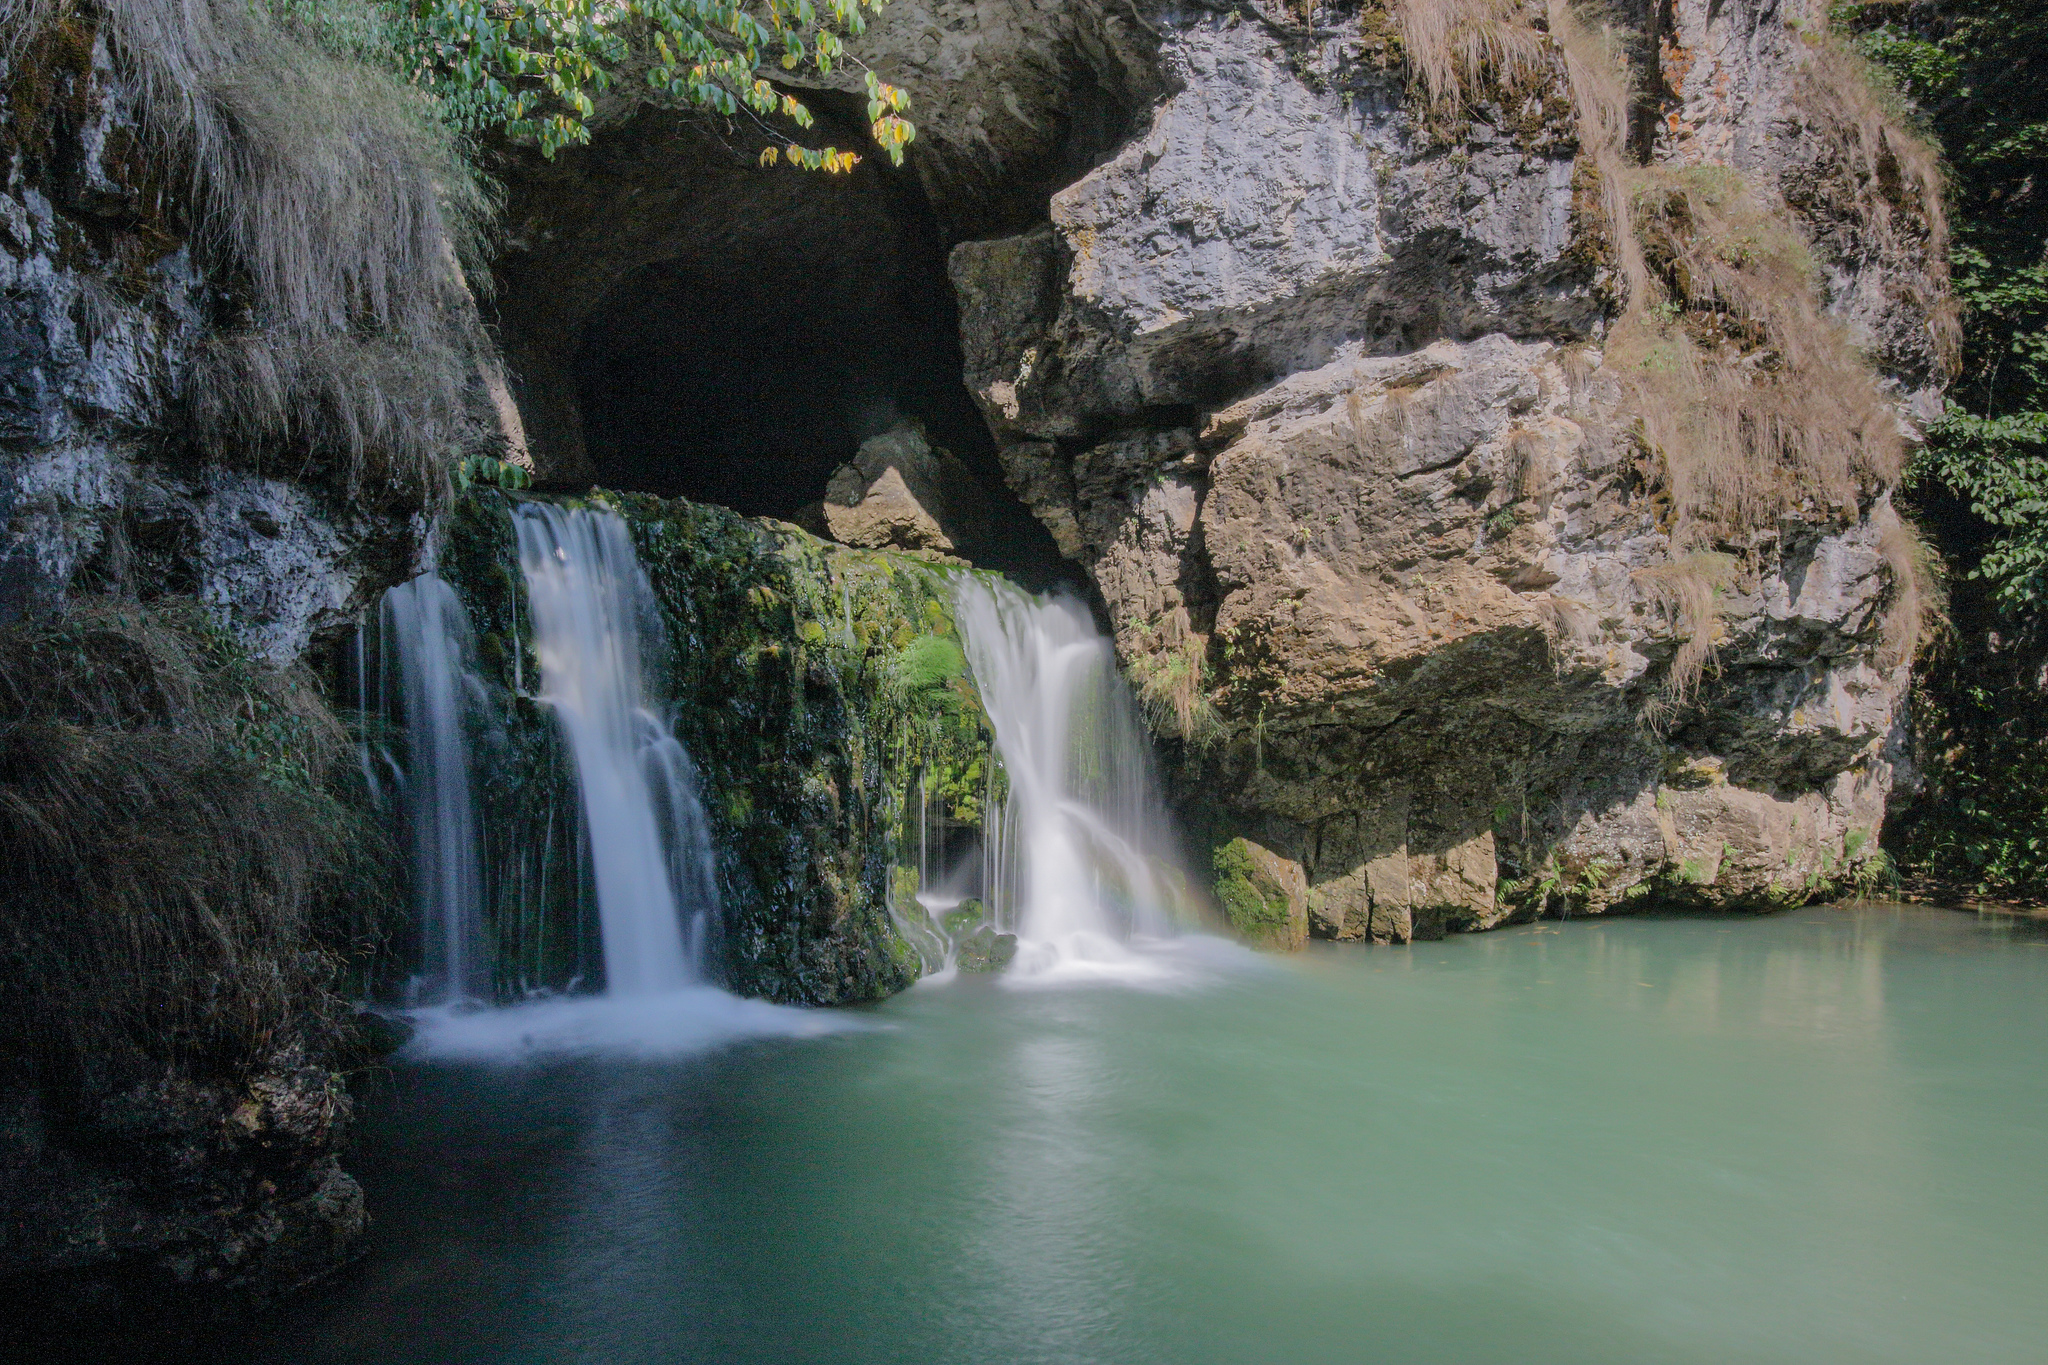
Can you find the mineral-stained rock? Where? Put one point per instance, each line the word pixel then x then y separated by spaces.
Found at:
pixel 1319 400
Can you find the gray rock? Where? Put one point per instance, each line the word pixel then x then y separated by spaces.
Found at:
pixel 1320 396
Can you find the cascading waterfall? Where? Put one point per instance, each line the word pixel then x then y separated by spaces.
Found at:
pixel 425 626
pixel 650 848
pixel 1080 859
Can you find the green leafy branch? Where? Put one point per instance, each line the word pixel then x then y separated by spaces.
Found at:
pixel 532 69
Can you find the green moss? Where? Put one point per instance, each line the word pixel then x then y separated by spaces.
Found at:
pixel 1256 905
pixel 818 689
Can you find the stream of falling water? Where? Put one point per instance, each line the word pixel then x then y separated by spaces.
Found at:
pixel 1080 861
pixel 429 630
pixel 651 856
pixel 652 866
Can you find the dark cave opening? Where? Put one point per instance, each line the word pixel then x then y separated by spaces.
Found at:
pixel 748 368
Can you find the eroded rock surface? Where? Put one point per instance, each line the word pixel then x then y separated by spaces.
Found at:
pixel 1318 399
pixel 176 1195
pixel 101 308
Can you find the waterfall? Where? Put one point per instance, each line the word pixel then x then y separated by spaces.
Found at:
pixel 650 848
pixel 426 624
pixel 1080 858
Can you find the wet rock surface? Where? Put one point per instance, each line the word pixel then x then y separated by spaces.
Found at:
pixel 173 1198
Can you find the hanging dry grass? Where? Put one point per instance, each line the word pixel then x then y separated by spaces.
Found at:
pixel 1886 179
pixel 358 413
pixel 1917 613
pixel 1690 592
pixel 1755 401
pixel 340 201
pixel 175 866
pixel 1172 676
pixel 330 183
pixel 1458 49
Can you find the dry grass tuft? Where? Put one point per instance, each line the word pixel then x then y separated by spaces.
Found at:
pixel 173 859
pixel 1917 613
pixel 1569 628
pixel 1690 591
pixel 356 412
pixel 1172 675
pixel 1457 48
pixel 1755 401
pixel 1889 183
pixel 332 192
pixel 1602 91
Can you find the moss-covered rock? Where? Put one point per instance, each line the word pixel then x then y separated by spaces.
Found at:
pixel 985 950
pixel 1263 895
pixel 816 687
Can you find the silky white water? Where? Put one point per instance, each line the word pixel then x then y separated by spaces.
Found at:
pixel 651 857
pixel 1080 860
pixel 428 631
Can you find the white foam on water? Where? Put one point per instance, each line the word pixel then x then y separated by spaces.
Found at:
pixel 678 1023
pixel 1176 963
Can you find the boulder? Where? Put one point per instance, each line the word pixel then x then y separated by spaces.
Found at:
pixel 902 494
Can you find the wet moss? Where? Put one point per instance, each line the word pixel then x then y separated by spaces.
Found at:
pixel 816 687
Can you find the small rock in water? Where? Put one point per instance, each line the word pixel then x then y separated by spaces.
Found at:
pixel 964 917
pixel 985 950
pixel 370 1036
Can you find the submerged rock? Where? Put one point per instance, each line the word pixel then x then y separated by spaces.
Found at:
pixel 985 950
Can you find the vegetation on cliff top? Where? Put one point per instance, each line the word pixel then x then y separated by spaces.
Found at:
pixel 1751 401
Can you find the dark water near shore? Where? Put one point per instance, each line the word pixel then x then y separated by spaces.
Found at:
pixel 1814 1138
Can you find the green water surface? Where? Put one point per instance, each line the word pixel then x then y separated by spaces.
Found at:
pixel 1821 1137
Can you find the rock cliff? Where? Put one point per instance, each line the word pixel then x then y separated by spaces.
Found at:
pixel 228 399
pixel 1331 391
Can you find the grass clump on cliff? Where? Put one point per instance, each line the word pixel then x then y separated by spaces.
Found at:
pixel 339 212
pixel 1751 401
pixel 182 882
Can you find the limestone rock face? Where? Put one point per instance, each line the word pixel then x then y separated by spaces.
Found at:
pixel 95 489
pixel 188 1186
pixel 1319 400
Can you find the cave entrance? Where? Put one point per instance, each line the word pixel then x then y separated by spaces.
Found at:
pixel 687 324
pixel 749 386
